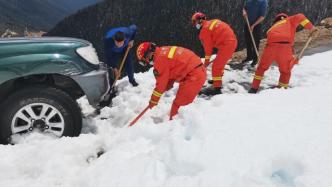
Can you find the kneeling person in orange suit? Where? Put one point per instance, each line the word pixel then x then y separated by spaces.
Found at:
pixel 279 48
pixel 173 64
pixel 215 34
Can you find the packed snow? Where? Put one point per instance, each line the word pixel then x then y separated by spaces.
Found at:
pixel 277 138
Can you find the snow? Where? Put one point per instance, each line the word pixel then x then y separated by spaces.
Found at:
pixel 277 138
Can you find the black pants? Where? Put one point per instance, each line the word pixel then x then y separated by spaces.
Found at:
pixel 257 32
pixel 117 57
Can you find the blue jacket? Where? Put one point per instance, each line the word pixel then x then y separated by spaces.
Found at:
pixel 111 50
pixel 255 9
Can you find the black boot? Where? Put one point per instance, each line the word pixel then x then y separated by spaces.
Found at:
pixel 253 64
pixel 210 91
pixel 245 61
pixel 210 81
pixel 253 91
pixel 134 83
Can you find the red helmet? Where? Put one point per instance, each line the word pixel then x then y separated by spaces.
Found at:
pixel 197 16
pixel 280 17
pixel 143 50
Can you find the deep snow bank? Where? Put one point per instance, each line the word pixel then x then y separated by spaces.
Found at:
pixel 276 138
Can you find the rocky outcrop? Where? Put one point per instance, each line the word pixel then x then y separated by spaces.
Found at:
pixel 168 22
pixel 327 23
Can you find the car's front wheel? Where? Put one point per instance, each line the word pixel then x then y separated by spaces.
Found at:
pixel 45 109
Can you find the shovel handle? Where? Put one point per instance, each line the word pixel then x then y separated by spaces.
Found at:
pixel 252 36
pixel 121 67
pixel 139 116
pixel 300 55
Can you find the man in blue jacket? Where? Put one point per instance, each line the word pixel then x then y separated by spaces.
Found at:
pixel 117 41
pixel 256 11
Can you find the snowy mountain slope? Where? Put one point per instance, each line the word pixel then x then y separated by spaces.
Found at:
pixel 37 14
pixel 278 138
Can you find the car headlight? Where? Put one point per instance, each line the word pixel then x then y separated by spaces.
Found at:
pixel 89 54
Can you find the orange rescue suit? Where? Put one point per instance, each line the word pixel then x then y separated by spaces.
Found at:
pixel 217 34
pixel 279 48
pixel 177 64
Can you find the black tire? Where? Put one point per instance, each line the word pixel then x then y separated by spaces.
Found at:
pixel 54 97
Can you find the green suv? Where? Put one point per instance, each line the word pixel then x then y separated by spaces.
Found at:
pixel 40 81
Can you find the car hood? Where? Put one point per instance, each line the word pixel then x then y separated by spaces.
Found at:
pixel 42 40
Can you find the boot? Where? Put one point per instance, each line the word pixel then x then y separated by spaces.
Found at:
pixel 210 91
pixel 245 61
pixel 253 64
pixel 253 91
pixel 210 81
pixel 134 83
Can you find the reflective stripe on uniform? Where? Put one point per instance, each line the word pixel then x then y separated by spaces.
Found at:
pixel 305 22
pixel 258 77
pixel 216 78
pixel 157 94
pixel 283 85
pixel 213 24
pixel 277 24
pixel 153 102
pixel 171 52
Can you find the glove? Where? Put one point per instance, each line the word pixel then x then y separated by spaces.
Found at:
pixel 152 104
pixel 131 44
pixel 116 72
pixel 244 13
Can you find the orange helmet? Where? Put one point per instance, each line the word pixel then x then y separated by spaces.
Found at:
pixel 197 16
pixel 142 52
pixel 280 17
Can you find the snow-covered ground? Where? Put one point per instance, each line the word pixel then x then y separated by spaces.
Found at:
pixel 277 138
